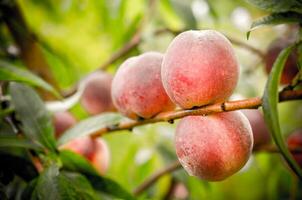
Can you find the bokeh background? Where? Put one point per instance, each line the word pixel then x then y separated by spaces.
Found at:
pixel 78 36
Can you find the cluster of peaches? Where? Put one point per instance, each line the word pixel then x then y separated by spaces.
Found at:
pixel 199 68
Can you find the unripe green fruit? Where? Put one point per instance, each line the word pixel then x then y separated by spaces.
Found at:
pixel 96 97
pixel 294 140
pixel 199 68
pixel 95 151
pixel 290 69
pixel 137 90
pixel 214 147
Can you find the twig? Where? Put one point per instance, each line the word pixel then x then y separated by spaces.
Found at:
pixel 176 165
pixel 31 53
pixel 154 177
pixel 252 103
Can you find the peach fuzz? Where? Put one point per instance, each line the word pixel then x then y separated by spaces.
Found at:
pixel 96 97
pixel 199 68
pixel 137 89
pixel 214 147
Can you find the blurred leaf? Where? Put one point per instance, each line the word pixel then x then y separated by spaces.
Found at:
pixel 278 5
pixel 276 18
pixel 52 184
pixel 36 121
pixel 270 109
pixel 90 125
pixel 15 141
pixel 10 72
pixel 29 189
pixel 183 9
pixel 11 164
pixel 212 10
pixel 2 192
pixel 74 162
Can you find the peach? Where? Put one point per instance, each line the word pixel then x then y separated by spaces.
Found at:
pixel 214 147
pixel 95 151
pixel 199 68
pixel 137 90
pixel 290 69
pixel 63 121
pixel 261 133
pixel 96 97
pixel 294 140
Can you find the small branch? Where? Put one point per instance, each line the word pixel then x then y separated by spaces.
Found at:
pixel 31 53
pixel 252 103
pixel 157 175
pixel 176 165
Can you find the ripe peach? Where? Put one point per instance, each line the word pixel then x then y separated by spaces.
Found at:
pixel 261 133
pixel 94 150
pixel 214 147
pixel 63 121
pixel 294 140
pixel 290 68
pixel 96 97
pixel 137 90
pixel 199 68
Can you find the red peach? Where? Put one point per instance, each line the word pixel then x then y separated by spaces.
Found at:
pixel 214 147
pixel 63 121
pixel 294 140
pixel 96 97
pixel 290 69
pixel 199 68
pixel 261 133
pixel 137 90
pixel 94 150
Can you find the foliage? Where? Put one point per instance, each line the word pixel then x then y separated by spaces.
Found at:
pixel 75 37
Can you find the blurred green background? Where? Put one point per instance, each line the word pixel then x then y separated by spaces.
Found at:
pixel 77 36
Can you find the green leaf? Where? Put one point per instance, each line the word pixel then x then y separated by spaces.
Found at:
pixel 15 141
pixel 31 111
pixel 9 72
pixel 278 5
pixel 90 126
pixel 275 18
pixel 53 184
pixel 270 109
pixel 74 162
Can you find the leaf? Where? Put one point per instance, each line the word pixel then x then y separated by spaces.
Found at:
pixel 36 121
pixel 278 5
pixel 270 109
pixel 53 184
pixel 275 18
pixel 90 126
pixel 74 162
pixel 9 72
pixel 15 141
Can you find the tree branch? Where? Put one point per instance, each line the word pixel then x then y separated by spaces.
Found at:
pixel 176 165
pixel 252 103
pixel 154 177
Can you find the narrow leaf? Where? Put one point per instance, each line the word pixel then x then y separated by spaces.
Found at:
pixel 278 5
pixel 53 184
pixel 270 109
pixel 90 126
pixel 9 72
pixel 76 163
pixel 275 18
pixel 15 141
pixel 36 121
